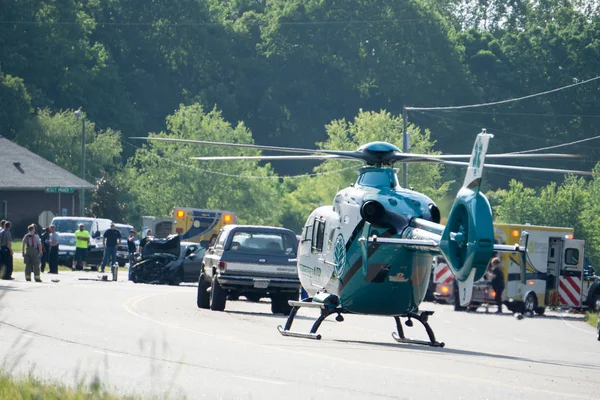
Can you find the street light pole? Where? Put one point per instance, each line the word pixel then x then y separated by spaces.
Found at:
pixel 79 115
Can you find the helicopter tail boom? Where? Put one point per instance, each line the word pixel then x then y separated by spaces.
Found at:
pixel 467 241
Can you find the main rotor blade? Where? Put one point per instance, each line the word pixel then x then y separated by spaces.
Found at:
pixel 290 157
pixel 351 154
pixel 410 157
pixel 522 168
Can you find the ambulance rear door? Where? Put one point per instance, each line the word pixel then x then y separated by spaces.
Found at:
pixel 571 271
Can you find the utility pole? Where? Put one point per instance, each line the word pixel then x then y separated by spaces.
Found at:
pixel 405 148
pixel 79 115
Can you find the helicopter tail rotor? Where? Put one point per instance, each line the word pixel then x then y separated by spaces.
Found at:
pixel 467 242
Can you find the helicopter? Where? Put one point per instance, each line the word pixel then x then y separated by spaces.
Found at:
pixel 371 251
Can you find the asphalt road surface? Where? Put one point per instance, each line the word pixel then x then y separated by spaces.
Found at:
pixel 153 341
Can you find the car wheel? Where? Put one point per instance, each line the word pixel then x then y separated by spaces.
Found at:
pixel 253 297
pixel 203 299
pixel 233 296
pixel 540 310
pixel 218 296
pixel 177 278
pixel 530 304
pixel 279 303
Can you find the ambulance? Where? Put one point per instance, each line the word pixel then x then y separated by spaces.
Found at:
pixel 555 273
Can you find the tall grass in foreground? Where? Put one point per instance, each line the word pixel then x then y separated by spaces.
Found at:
pixel 27 388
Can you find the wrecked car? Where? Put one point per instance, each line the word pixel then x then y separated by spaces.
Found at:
pixel 168 261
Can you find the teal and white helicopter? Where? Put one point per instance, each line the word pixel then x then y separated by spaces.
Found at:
pixel 371 251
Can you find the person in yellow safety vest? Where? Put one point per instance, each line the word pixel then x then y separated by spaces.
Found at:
pixel 81 247
pixel 32 250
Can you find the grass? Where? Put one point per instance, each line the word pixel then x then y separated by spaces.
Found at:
pixel 19 266
pixel 591 318
pixel 27 388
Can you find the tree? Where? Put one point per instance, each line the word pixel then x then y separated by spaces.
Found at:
pixel 57 137
pixel 162 175
pixel 332 175
pixel 106 200
pixel 15 105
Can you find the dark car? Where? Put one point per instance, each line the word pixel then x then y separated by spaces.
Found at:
pixel 251 261
pixel 168 261
pixel 66 252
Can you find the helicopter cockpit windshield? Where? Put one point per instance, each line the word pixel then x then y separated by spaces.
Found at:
pixel 377 177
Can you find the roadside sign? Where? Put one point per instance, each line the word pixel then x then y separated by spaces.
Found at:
pixel 45 218
pixel 58 190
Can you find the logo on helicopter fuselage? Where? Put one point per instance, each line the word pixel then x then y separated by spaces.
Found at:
pixel 399 277
pixel 339 255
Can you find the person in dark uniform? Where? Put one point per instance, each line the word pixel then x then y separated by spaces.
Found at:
pixel 497 280
pixel 145 240
pixel 45 248
pixel 6 264
pixel 112 237
pixel 53 250
pixel 131 248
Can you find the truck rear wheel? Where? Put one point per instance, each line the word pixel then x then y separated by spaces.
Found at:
pixel 203 299
pixel 530 304
pixel 218 296
pixel 279 303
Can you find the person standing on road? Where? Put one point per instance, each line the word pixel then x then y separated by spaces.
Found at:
pixel 2 223
pixel 497 280
pixel 53 250
pixel 81 246
pixel 131 248
pixel 112 237
pixel 32 250
pixel 45 247
pixel 6 252
pixel 145 240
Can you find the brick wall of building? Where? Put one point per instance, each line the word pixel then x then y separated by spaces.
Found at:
pixel 24 207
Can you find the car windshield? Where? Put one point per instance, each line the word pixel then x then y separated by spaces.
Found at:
pixel 71 225
pixel 66 240
pixel 263 243
pixel 124 231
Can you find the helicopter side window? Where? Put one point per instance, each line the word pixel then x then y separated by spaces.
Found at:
pixel 318 236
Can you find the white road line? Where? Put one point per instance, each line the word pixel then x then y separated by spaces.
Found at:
pixel 250 378
pixel 106 353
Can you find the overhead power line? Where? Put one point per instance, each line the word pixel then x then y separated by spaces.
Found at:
pixel 556 146
pixel 502 101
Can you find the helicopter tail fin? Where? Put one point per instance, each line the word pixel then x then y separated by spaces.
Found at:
pixel 467 241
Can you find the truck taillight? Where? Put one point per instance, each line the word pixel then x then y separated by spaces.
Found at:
pixel 179 230
pixel 222 265
pixel 445 289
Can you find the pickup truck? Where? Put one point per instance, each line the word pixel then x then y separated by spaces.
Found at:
pixel 250 261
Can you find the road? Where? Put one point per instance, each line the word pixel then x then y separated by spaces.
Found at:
pixel 153 340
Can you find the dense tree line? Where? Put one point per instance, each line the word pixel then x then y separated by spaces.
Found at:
pixel 297 73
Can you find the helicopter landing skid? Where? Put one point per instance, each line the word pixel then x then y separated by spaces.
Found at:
pixel 325 312
pixel 422 318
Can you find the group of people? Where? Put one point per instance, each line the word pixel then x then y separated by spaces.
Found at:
pixel 43 249
pixel 110 240
pixel 34 249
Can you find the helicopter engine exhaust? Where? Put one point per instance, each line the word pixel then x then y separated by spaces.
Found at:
pixel 375 213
